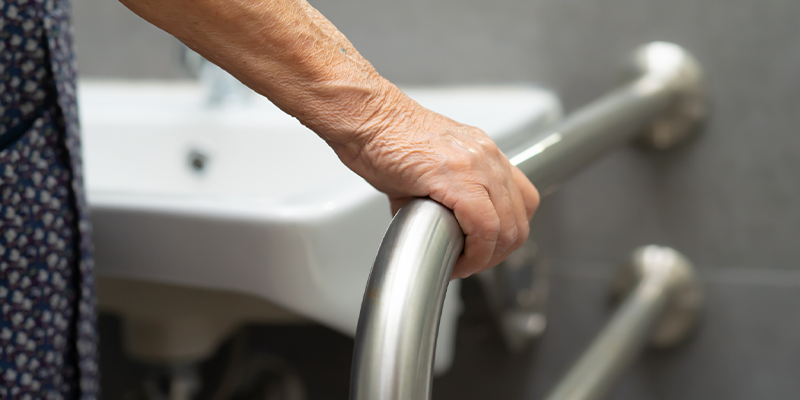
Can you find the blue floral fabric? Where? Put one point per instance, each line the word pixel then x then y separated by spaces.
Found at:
pixel 47 332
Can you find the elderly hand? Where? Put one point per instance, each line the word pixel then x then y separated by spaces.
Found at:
pixel 408 151
pixel 290 53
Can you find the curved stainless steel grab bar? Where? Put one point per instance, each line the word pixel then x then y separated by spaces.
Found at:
pixel 399 318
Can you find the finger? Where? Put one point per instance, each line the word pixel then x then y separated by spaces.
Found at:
pixel 530 196
pixel 478 218
pixel 520 213
pixel 507 237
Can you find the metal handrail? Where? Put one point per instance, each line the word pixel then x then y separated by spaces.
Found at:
pixel 399 320
pixel 663 301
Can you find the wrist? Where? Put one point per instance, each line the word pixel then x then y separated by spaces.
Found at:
pixel 347 111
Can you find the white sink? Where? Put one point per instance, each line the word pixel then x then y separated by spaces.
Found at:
pixel 243 198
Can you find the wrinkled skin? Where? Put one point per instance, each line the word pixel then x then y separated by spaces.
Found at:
pixel 419 153
pixel 287 51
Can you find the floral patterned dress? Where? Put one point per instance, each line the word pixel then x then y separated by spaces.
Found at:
pixel 48 339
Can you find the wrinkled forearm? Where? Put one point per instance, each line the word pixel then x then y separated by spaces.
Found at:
pixel 287 51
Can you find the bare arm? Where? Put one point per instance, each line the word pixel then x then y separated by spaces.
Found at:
pixel 287 51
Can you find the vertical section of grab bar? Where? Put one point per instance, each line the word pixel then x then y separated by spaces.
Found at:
pixel 618 344
pixel 403 302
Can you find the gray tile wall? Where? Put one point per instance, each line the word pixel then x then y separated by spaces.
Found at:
pixel 730 200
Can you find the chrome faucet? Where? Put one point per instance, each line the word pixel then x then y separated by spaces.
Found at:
pixel 222 87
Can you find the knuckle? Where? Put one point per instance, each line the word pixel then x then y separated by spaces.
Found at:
pixel 491 227
pixel 482 184
pixel 508 237
pixel 490 149
pixel 474 159
pixel 463 159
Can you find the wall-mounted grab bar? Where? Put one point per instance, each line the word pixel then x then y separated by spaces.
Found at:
pixel 663 300
pixel 396 336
